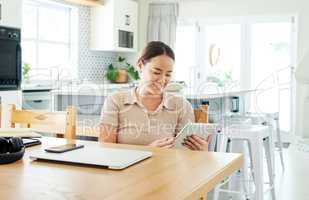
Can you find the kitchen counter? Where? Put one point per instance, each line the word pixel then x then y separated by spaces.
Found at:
pixel 89 99
pixel 91 89
pixel 107 89
pixel 217 94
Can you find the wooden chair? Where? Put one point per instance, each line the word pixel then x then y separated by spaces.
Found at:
pixel 47 122
pixel 201 114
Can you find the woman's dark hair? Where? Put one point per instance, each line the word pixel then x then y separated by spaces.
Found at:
pixel 153 49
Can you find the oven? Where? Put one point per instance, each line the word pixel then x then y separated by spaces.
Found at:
pixel 10 58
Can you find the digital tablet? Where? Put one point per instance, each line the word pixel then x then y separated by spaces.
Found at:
pixel 201 129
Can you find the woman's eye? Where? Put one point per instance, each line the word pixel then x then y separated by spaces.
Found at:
pixel 157 73
pixel 168 75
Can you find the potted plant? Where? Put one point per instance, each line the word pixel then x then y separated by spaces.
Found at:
pixel 25 71
pixel 121 72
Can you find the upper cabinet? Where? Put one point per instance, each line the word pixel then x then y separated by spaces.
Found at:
pixel 114 26
pixel 85 2
pixel 10 13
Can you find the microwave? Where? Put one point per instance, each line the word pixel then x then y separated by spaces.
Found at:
pixel 125 39
pixel 10 58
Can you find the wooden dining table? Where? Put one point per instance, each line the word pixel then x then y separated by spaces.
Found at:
pixel 169 174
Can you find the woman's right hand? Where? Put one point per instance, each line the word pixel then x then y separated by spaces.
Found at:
pixel 151 88
pixel 168 142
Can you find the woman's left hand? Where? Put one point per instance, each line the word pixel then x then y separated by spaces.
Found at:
pixel 196 143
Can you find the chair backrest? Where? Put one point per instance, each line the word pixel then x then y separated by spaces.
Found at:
pixel 48 122
pixel 201 114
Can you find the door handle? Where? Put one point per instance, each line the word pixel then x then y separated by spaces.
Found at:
pixel 37 101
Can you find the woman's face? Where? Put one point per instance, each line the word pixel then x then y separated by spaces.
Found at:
pixel 157 72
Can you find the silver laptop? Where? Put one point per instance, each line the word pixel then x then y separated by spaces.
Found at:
pixel 95 155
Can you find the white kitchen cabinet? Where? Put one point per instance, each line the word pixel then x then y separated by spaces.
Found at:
pixel 10 13
pixel 114 26
pixel 9 97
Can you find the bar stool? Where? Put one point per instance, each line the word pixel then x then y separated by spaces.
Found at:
pixel 272 120
pixel 267 119
pixel 256 137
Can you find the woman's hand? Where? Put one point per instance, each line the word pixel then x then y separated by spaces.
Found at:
pixel 168 142
pixel 151 88
pixel 196 143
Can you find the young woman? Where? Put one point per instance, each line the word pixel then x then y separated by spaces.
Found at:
pixel 147 115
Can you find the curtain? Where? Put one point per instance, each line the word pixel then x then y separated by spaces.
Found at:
pixel 162 22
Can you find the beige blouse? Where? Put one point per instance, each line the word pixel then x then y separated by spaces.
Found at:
pixel 136 125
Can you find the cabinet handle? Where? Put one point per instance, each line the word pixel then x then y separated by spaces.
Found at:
pixel 37 101
pixel 127 20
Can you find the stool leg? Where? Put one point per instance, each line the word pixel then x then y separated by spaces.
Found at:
pixel 269 167
pixel 222 147
pixel 222 143
pixel 272 146
pixel 250 166
pixel 251 161
pixel 216 193
pixel 257 157
pixel 279 142
pixel 240 147
pixel 230 149
pixel 245 173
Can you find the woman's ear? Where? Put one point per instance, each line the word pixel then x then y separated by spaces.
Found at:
pixel 140 66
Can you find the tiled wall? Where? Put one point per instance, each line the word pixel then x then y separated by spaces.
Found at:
pixel 91 64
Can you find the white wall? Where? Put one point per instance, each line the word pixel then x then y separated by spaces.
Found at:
pixel 11 13
pixel 217 8
pixel 143 7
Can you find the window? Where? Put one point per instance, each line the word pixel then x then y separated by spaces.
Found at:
pixel 49 39
pixel 206 51
pixel 271 59
pixel 185 53
pixel 249 52
pixel 222 51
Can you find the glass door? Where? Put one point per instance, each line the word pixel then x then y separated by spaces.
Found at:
pixel 186 68
pixel 222 57
pixel 271 61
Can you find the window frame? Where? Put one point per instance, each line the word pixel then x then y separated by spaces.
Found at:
pixel 71 43
pixel 196 57
pixel 245 45
pixel 246 23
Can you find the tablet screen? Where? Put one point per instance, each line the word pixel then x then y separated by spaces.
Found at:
pixel 203 130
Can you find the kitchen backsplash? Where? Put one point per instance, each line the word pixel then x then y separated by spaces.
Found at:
pixel 91 64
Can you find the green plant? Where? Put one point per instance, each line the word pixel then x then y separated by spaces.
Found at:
pixel 25 71
pixel 132 72
pixel 112 71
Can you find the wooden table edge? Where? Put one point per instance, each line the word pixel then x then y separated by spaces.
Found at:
pixel 202 190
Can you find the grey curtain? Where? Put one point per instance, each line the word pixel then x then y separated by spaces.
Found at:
pixel 162 22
